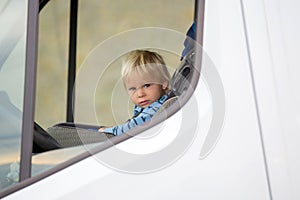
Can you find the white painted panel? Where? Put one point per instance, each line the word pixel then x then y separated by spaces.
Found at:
pixel 274 44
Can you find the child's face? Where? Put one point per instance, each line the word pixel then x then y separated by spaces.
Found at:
pixel 144 90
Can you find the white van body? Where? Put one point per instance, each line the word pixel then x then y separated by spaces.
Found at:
pixel 254 155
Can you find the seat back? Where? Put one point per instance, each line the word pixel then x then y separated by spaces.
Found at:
pixel 182 78
pixel 42 141
pixel 181 81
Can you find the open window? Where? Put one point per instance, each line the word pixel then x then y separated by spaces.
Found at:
pixel 98 98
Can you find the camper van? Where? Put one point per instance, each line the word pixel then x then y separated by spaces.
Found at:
pixel 228 128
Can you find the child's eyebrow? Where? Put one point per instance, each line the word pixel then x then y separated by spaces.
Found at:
pixel 149 83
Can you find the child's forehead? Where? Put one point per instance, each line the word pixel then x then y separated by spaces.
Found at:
pixel 135 78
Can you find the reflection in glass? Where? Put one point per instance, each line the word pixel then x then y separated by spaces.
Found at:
pixel 13 22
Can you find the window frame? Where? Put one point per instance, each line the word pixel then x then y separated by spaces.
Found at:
pixel 29 90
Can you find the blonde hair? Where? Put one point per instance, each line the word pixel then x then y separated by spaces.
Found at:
pixel 145 62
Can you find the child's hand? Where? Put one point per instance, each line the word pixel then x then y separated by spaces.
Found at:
pixel 101 129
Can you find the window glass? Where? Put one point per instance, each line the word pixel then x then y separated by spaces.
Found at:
pixel 51 91
pixel 13 23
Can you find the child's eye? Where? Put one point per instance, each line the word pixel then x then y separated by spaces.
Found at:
pixel 132 89
pixel 147 85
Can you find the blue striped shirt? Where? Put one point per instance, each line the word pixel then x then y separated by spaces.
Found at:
pixel 140 116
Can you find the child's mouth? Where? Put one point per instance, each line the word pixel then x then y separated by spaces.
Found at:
pixel 143 103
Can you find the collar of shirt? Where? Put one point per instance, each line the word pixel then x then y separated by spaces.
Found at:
pixel 137 110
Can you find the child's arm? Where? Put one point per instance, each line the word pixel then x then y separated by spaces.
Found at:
pixel 143 117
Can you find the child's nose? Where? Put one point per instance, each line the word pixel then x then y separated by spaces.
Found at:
pixel 140 92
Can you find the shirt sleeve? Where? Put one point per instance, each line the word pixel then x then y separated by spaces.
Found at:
pixel 143 117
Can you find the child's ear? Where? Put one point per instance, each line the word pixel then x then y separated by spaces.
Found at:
pixel 165 85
